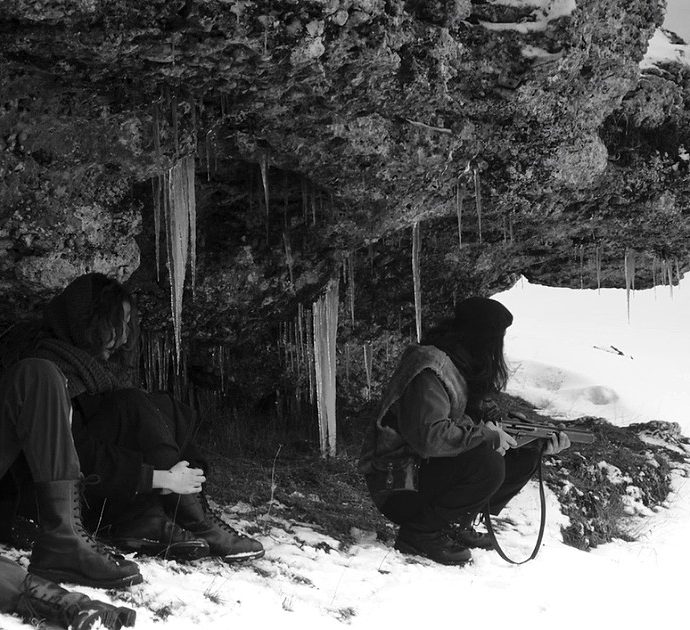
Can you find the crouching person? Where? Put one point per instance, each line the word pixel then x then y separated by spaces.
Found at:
pixel 431 458
pixel 37 601
pixel 35 414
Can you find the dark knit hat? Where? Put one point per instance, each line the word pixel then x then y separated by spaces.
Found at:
pixel 482 316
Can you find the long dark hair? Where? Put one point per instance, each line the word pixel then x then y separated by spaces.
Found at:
pixel 477 354
pixel 106 323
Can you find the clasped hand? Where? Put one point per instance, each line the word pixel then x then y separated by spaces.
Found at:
pixel 180 479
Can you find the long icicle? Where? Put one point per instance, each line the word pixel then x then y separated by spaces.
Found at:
pixel 264 181
pixel 180 215
pixel 325 311
pixel 368 367
pixel 459 194
pixel 191 211
pixel 416 279
pixel 352 258
pixel 629 266
pixel 597 262
pixel 156 193
pixel 478 200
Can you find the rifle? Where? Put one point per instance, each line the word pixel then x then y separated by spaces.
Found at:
pixel 524 432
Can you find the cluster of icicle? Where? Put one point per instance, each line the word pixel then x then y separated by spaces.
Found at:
pixel 174 194
pixel 308 350
pixel 160 364
pixel 325 331
pixel 296 349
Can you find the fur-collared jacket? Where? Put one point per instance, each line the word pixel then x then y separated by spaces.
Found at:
pixel 442 427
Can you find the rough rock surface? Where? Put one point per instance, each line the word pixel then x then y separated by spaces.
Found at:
pixel 366 115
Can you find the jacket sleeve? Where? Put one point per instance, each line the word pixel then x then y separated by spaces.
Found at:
pixel 425 424
pixel 122 472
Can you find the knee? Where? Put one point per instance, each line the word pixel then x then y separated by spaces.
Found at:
pixel 39 369
pixel 493 470
pixel 32 371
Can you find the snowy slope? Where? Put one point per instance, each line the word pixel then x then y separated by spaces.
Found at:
pixel 306 581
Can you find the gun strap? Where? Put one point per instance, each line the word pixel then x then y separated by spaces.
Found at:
pixel 542 524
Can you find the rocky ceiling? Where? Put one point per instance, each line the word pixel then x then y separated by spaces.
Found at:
pixel 323 127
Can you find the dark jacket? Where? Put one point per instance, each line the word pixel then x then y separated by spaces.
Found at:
pixel 422 412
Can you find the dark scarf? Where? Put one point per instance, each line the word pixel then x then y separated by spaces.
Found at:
pixel 85 373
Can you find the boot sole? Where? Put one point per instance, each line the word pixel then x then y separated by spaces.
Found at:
pixel 406 548
pixel 56 575
pixel 243 557
pixel 112 619
pixel 176 551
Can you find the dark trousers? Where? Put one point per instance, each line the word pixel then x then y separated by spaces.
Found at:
pixel 35 418
pixel 155 425
pixel 452 489
pixel 11 578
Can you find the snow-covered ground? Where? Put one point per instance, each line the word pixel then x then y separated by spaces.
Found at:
pixel 560 347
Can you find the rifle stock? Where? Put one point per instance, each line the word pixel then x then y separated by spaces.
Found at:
pixel 526 432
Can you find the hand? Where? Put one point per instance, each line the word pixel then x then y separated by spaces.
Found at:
pixel 506 441
pixel 491 412
pixel 180 479
pixel 557 442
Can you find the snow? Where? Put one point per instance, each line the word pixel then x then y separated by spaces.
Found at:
pixel 555 346
pixel 543 12
pixel 661 49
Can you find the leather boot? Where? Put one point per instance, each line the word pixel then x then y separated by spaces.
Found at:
pixel 65 552
pixel 465 533
pixel 193 512
pixel 42 600
pixel 155 534
pixel 432 545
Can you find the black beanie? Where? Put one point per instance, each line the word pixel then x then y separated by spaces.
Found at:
pixel 482 316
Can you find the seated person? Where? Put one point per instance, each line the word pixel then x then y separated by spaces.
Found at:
pixel 147 497
pixel 37 600
pixel 429 458
pixel 35 415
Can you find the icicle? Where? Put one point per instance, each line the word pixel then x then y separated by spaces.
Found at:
pixel 669 273
pixel 286 223
pixel 305 197
pixel 351 258
pixel 368 365
pixel 325 311
pixel 156 130
pixel 313 208
pixel 190 167
pixel 597 263
pixel 654 275
pixel 582 265
pixel 251 191
pixel 264 181
pixel 675 261
pixel 176 138
pixel 192 106
pixel 478 200
pixel 416 279
pixel 156 193
pixel 208 156
pixel 310 355
pixel 629 265
pixel 459 195
pixel 347 363
pixel 288 258
pixel 180 216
